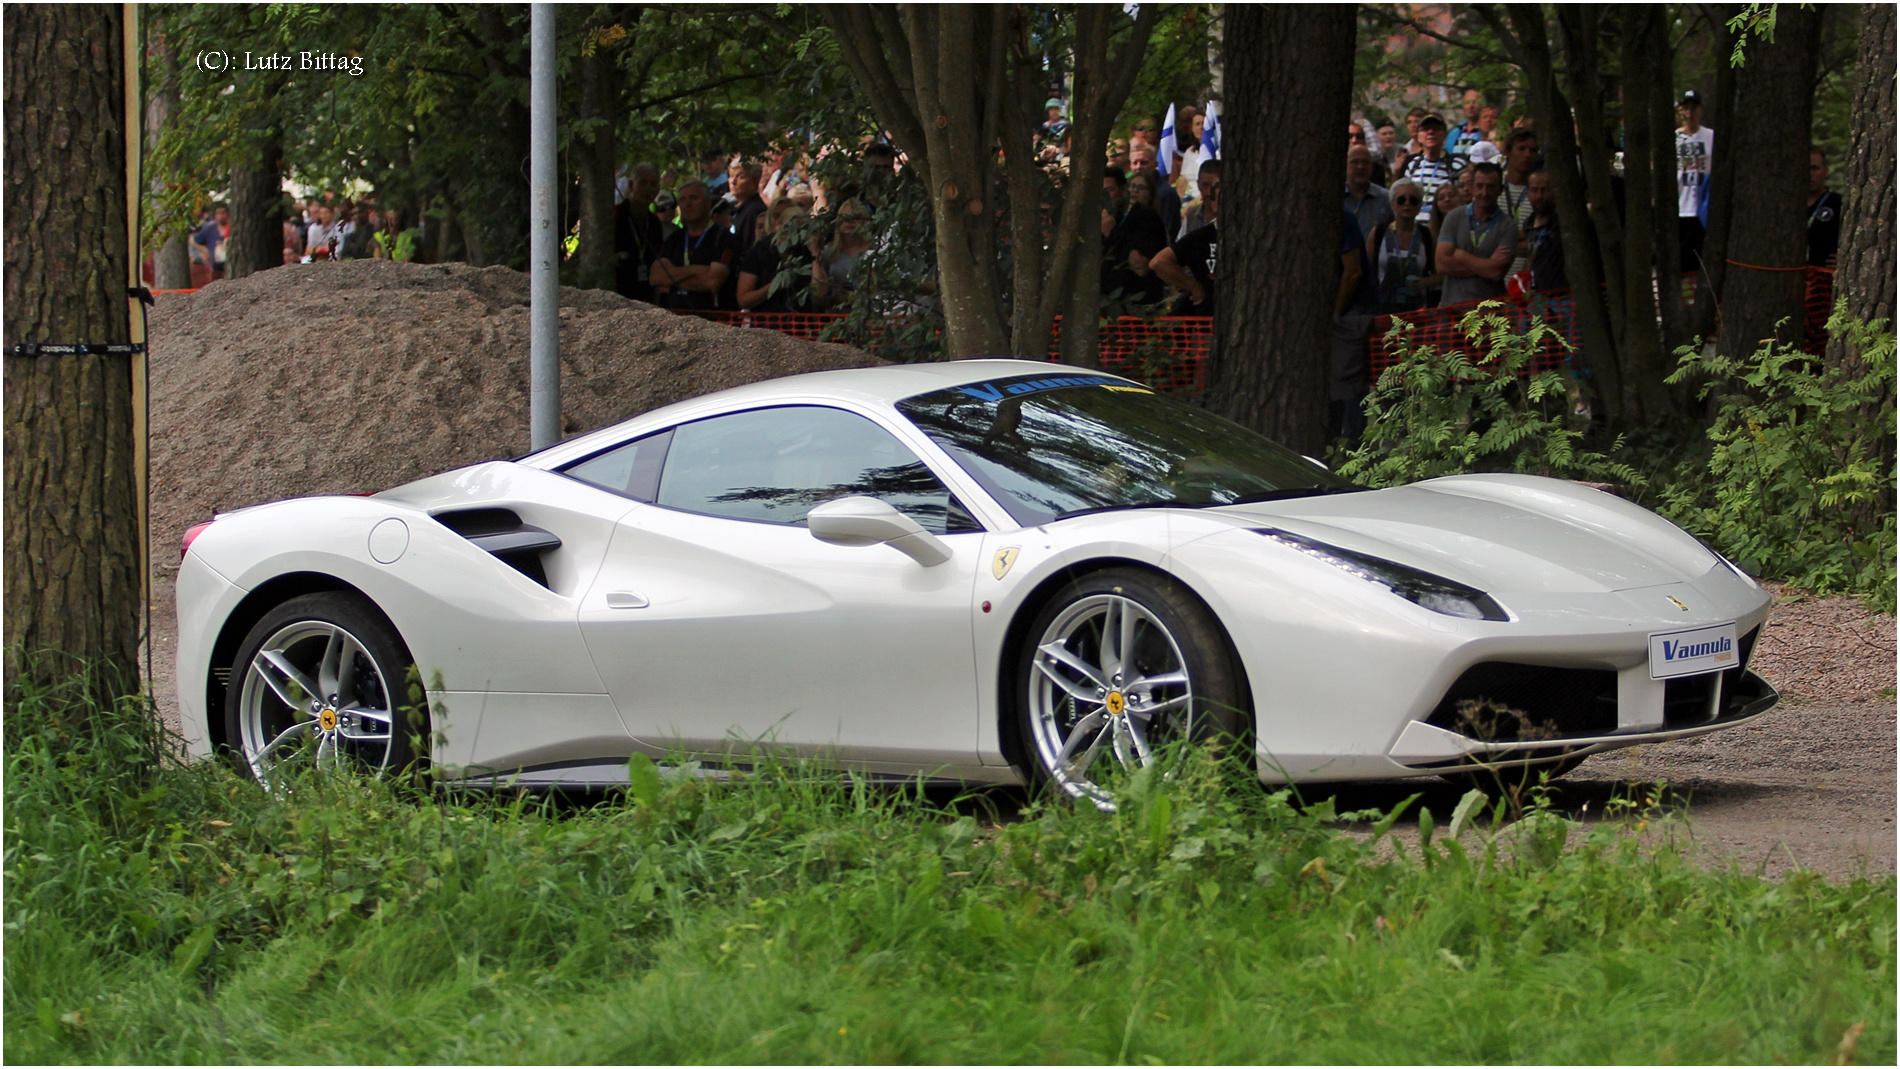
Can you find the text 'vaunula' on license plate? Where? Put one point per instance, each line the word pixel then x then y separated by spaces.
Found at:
pixel 1692 652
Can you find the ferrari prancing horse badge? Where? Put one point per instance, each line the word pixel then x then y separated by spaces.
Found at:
pixel 1004 558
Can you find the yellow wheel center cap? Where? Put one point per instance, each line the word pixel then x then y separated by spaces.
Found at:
pixel 1116 703
pixel 327 719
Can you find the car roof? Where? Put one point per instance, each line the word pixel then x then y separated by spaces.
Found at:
pixel 875 386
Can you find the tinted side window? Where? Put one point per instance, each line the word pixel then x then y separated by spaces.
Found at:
pixel 774 464
pixel 632 469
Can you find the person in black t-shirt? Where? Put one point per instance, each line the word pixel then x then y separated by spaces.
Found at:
pixel 742 180
pixel 1190 265
pixel 1543 240
pixel 770 257
pixel 637 236
pixel 698 259
pixel 1138 235
pixel 1824 214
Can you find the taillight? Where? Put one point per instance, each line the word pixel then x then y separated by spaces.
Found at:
pixel 191 535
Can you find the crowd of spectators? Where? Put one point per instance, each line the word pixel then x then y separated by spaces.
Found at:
pixel 1433 213
pixel 326 227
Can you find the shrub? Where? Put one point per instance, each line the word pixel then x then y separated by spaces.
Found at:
pixel 1446 413
pixel 1797 482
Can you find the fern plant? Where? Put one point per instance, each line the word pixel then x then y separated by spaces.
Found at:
pixel 1798 479
pixel 1443 412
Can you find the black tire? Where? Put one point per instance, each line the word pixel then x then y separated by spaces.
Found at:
pixel 333 639
pixel 1066 717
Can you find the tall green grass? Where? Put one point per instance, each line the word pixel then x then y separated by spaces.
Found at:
pixel 165 913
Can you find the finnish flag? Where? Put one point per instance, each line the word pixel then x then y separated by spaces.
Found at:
pixel 1210 133
pixel 1164 159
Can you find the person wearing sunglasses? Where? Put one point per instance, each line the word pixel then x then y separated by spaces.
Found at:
pixel 1403 254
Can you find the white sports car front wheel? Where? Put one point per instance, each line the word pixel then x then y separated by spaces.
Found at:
pixel 320 677
pixel 1122 662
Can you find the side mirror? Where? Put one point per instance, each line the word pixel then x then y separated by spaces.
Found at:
pixel 866 521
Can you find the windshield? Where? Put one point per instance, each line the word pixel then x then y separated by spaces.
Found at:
pixel 1048 447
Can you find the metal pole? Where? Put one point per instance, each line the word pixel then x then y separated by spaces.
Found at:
pixel 544 280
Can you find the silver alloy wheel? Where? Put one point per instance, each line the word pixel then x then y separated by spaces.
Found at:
pixel 1109 676
pixel 313 680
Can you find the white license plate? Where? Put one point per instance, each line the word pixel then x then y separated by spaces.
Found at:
pixel 1693 652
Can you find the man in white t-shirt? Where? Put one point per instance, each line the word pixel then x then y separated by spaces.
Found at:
pixel 1695 152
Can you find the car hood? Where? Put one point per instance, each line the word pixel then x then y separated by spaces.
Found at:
pixel 1498 533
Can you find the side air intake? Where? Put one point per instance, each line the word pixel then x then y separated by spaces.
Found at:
pixel 501 532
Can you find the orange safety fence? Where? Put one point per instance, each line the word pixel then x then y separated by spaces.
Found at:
pixel 1438 327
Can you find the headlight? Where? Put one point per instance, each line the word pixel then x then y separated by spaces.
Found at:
pixel 1423 589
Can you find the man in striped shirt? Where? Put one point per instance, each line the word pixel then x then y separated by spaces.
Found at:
pixel 1431 166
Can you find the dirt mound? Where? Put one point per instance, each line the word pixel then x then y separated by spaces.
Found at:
pixel 350 377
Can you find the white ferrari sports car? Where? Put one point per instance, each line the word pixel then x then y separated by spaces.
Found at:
pixel 987 570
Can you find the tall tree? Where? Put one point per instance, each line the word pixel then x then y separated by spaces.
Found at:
pixel 596 146
pixel 951 84
pixel 1864 278
pixel 1764 287
pixel 1289 91
pixel 72 537
pixel 1529 43
pixel 257 205
pixel 171 267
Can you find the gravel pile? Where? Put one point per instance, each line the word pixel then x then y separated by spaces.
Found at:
pixel 352 377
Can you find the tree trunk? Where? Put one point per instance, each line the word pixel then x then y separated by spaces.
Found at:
pixel 1581 24
pixel 1101 85
pixel 72 536
pixel 1764 289
pixel 949 75
pixel 1028 218
pixel 1640 341
pixel 257 210
pixel 1712 265
pixel 596 152
pixel 1864 278
pixel 1529 41
pixel 932 74
pixel 171 264
pixel 1659 63
pixel 1863 281
pixel 1289 89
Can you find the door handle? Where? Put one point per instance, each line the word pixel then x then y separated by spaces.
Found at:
pixel 625 599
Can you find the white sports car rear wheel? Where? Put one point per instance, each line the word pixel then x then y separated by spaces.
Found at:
pixel 320 678
pixel 1120 663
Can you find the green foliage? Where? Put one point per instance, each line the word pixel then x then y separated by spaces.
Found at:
pixel 157 912
pixel 1798 480
pixel 1173 70
pixel 1438 413
pixel 438 120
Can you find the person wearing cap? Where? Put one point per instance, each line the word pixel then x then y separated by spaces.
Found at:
pixel 1056 127
pixel 712 171
pixel 1431 166
pixel 1695 152
pixel 666 209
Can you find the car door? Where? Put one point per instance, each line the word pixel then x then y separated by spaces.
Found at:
pixel 719 622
